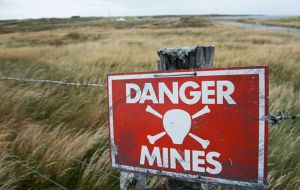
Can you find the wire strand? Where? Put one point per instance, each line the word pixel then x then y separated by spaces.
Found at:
pixel 75 159
pixel 64 83
pixel 81 162
pixel 40 174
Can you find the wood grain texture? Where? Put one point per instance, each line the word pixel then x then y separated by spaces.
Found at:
pixel 186 58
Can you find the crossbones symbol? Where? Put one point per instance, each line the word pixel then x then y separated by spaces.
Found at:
pixel 177 124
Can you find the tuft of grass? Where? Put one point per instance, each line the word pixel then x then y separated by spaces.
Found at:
pixel 74 35
pixel 192 21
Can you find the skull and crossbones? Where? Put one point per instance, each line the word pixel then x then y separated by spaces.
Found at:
pixel 177 124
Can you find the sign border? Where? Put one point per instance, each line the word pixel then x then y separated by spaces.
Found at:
pixel 261 71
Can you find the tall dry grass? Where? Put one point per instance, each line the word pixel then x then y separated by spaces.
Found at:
pixel 52 128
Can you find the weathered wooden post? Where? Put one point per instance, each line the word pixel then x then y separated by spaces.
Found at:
pixel 185 58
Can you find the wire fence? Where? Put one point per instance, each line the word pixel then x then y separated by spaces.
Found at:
pixel 65 157
pixel 272 119
pixel 63 83
pixel 35 171
pixel 38 173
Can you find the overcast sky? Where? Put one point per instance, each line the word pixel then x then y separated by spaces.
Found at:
pixel 11 9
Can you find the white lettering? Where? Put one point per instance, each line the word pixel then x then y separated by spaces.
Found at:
pixel 129 98
pixel 207 92
pixel 148 94
pixel 195 94
pixel 216 164
pixel 211 92
pixel 145 154
pixel 175 156
pixel 165 157
pixel 171 158
pixel 172 95
pixel 225 93
pixel 197 161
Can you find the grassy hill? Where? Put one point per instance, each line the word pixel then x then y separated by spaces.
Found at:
pixel 61 132
pixel 292 22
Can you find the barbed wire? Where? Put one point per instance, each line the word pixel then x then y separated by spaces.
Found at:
pixel 39 174
pixel 64 83
pixel 272 119
pixel 281 116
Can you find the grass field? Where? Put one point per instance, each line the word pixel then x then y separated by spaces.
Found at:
pixel 51 128
pixel 292 22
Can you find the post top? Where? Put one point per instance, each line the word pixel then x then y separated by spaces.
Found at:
pixel 186 57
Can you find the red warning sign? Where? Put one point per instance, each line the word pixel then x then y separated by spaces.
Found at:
pixel 202 125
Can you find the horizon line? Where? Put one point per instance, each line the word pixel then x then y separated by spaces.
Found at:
pixel 156 15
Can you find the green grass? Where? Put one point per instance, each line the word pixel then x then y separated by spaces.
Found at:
pixel 293 22
pixel 33 25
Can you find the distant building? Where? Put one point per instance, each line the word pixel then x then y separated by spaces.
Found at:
pixel 121 19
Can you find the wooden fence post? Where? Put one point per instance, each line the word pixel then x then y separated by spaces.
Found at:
pixel 185 58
